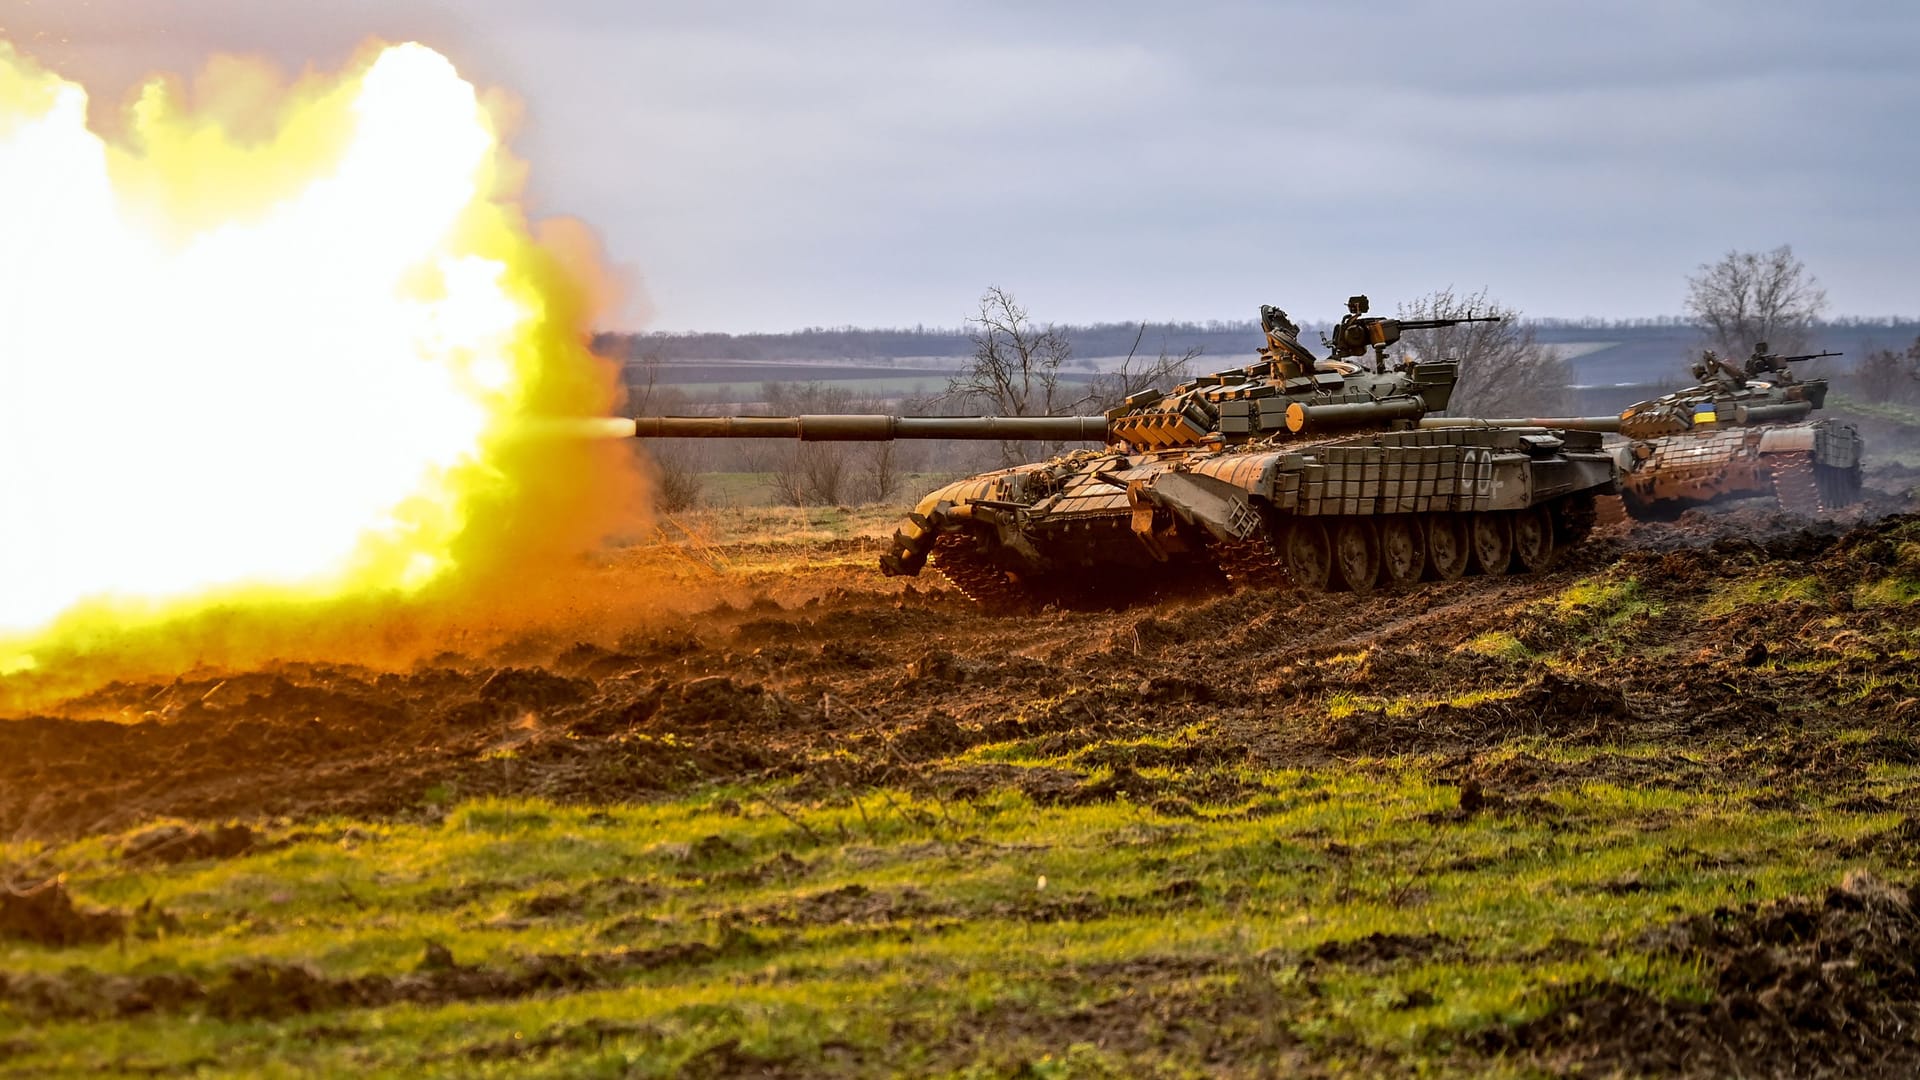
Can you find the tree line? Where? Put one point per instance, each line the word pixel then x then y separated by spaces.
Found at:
pixel 882 347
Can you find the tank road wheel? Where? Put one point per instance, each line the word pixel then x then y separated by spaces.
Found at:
pixel 1356 554
pixel 1446 547
pixel 1532 540
pixel 1307 554
pixel 1402 550
pixel 1491 541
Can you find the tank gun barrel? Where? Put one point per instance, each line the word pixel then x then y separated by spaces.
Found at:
pixel 849 427
pixel 1436 324
pixel 1806 356
pixel 1603 424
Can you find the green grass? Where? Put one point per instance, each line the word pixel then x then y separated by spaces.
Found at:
pixel 1732 596
pixel 1500 644
pixel 1890 591
pixel 976 915
pixel 1612 601
pixel 1021 925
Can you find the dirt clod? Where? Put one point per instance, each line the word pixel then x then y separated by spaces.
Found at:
pixel 174 842
pixel 45 914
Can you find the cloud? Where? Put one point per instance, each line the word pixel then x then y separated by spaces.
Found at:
pixel 775 164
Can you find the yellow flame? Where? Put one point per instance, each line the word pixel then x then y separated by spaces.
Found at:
pixel 244 368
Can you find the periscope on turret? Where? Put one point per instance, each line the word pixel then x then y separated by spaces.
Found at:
pixel 1295 468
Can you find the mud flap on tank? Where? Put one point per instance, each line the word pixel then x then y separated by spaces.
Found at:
pixel 1838 486
pixel 1221 508
pixel 1160 539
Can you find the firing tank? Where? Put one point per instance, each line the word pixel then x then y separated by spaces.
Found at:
pixel 1742 431
pixel 1297 468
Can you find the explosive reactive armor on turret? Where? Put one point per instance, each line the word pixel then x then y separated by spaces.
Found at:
pixel 1742 431
pixel 1311 469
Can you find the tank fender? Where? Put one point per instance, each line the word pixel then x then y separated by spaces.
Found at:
pixel 1786 440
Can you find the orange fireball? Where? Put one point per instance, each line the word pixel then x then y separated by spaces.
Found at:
pixel 276 367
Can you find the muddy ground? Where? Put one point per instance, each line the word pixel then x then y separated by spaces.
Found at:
pixel 875 677
pixel 838 678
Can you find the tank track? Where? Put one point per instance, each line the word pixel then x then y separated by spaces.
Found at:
pixel 1258 563
pixel 1795 485
pixel 1609 510
pixel 1251 563
pixel 957 558
pixel 1576 516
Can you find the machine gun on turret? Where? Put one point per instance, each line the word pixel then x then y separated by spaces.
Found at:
pixel 1763 363
pixel 1358 332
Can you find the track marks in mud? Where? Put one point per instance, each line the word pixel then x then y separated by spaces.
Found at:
pixel 909 681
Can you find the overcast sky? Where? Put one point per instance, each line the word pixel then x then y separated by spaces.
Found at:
pixel 769 165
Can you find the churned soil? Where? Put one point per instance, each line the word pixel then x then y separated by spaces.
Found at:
pixel 835 678
pixel 867 681
pixel 1803 987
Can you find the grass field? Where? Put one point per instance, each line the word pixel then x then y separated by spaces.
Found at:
pixel 1186 841
pixel 1351 916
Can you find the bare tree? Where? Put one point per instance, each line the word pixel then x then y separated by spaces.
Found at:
pixel 1107 389
pixel 675 467
pixel 1015 369
pixel 1504 370
pixel 830 473
pixel 814 474
pixel 1886 375
pixel 1752 296
pixel 882 473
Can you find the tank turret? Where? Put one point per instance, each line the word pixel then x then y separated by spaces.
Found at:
pixel 1298 468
